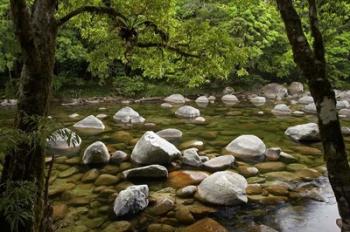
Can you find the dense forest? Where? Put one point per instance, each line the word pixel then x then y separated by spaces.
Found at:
pixel 180 44
pixel 174 116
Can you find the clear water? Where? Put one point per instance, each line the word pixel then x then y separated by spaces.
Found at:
pixel 227 123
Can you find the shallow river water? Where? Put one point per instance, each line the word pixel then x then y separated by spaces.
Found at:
pixel 87 207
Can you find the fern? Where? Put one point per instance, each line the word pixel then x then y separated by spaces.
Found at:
pixel 16 203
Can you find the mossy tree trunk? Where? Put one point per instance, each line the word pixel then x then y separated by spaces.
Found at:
pixel 36 31
pixel 313 64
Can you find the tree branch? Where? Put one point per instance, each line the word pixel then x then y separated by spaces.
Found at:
pixel 165 46
pixel 91 9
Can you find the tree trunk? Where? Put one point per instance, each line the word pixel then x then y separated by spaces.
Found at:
pixel 36 30
pixel 313 64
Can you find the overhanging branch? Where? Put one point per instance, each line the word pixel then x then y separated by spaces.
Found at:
pixel 93 10
pixel 165 46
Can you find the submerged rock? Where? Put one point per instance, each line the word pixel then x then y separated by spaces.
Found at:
pixel 247 148
pixel 308 132
pixel 64 141
pixel 306 100
pixel 205 225
pixel 187 112
pixel 179 179
pixel 223 188
pixel 131 200
pixel 96 153
pixel 166 105
pixel 172 135
pixel 152 149
pixel 151 171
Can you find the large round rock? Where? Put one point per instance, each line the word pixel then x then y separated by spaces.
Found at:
pixel 308 132
pixel 90 125
pixel 128 114
pixel 175 99
pixel 274 91
pixel 152 149
pixel 281 110
pixel 96 153
pixel 131 200
pixel 229 99
pixel 295 88
pixel 187 112
pixel 223 188
pixel 247 148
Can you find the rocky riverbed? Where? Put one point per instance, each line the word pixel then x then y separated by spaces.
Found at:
pixel 223 163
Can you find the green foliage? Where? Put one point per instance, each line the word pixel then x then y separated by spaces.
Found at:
pixel 16 203
pixel 9 48
pixel 185 42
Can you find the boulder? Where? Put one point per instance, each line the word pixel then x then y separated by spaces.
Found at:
pixel 258 101
pixel 247 148
pixel 220 163
pixel 229 99
pixel 223 188
pixel 128 115
pixel 295 88
pixel 310 108
pixel 281 110
pixel 342 104
pixel 191 158
pixel 172 135
pixel 212 99
pixel 187 112
pixel 306 100
pixel 228 90
pixel 175 99
pixel 131 200
pixel 274 91
pixel 96 153
pixel 64 141
pixel 202 101
pixel 345 113
pixel 308 132
pixel 90 125
pixel 150 171
pixel 152 149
